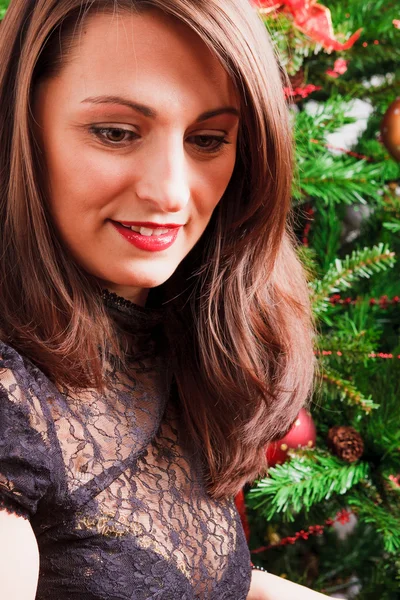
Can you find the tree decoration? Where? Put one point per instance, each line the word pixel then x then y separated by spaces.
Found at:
pixel 339 67
pixel 301 435
pixel 312 19
pixel 383 355
pixel 344 150
pixel 299 93
pixel 395 480
pixel 342 517
pixel 383 302
pixel 346 443
pixel 390 129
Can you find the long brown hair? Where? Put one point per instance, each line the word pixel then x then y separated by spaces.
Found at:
pixel 240 327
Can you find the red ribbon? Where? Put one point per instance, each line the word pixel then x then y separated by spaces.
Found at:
pixel 311 18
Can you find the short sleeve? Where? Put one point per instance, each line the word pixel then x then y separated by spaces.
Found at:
pixel 25 461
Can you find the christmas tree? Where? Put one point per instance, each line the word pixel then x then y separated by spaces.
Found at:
pixel 341 463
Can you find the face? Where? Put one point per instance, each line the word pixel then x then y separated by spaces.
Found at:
pixel 135 168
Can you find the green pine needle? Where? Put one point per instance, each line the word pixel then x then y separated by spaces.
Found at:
pixel 305 480
pixel 385 522
pixel 342 273
pixel 394 226
pixel 346 390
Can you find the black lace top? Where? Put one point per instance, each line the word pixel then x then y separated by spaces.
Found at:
pixel 116 502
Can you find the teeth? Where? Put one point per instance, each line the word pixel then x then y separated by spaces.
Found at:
pixel 149 232
pixel 146 231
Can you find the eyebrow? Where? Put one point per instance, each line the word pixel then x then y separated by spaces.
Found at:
pixel 147 111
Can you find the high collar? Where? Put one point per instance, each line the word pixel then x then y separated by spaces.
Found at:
pixel 135 317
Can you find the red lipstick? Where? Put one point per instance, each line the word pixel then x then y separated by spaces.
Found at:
pixel 149 243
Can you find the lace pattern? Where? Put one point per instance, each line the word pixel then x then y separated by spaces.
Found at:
pixel 116 502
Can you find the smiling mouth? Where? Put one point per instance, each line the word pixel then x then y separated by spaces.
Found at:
pixel 148 239
pixel 148 229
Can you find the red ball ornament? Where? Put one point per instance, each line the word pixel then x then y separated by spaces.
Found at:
pixel 302 435
pixel 390 129
pixel 241 506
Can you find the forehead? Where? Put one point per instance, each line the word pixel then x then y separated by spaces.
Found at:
pixel 151 57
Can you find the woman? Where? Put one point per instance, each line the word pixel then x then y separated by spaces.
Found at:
pixel 155 323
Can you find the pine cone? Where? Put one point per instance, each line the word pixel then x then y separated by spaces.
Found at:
pixel 297 80
pixel 346 443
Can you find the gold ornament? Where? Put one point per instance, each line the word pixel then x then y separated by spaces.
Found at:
pixel 390 129
pixel 273 536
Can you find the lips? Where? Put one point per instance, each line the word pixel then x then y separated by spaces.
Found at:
pixel 150 237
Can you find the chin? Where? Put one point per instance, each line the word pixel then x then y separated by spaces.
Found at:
pixel 147 281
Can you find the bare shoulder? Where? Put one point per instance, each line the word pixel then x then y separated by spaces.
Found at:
pixel 19 557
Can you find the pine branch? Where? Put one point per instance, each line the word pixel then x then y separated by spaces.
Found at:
pixel 346 391
pixel 354 335
pixel 385 522
pixel 342 273
pixel 327 118
pixel 308 478
pixel 337 179
pixel 394 226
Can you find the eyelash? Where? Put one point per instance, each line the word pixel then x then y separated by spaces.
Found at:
pixel 99 132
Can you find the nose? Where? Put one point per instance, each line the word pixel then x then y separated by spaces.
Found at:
pixel 163 178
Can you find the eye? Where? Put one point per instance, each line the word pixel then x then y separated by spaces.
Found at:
pixel 113 135
pixel 217 142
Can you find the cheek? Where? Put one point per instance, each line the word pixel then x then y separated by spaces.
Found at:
pixel 213 185
pixel 85 180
